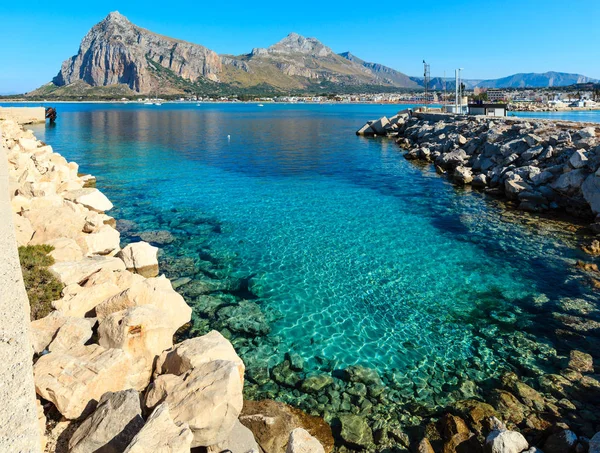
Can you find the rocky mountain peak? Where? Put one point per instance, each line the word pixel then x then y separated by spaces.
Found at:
pixel 295 43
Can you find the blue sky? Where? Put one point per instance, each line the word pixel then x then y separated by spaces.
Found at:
pixel 489 39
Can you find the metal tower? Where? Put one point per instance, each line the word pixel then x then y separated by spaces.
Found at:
pixel 426 79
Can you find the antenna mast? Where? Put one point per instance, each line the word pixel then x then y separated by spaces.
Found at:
pixel 426 79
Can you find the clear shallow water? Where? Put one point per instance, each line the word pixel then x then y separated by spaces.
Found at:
pixel 591 116
pixel 356 255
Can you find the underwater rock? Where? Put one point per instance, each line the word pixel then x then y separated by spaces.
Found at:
pixel 284 375
pixel 161 237
pixel 245 317
pixel 316 383
pixel 359 373
pixel 355 430
pixel 581 361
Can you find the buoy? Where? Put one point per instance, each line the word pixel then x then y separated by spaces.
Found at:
pixel 228 137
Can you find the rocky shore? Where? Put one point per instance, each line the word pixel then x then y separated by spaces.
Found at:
pixel 107 374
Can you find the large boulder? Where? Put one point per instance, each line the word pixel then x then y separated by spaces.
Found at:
pixel 272 421
pixel 570 182
pixel 74 332
pixel 161 434
pixel 90 198
pixel 102 242
pixel 75 380
pixel 144 332
pixel 152 291
pixel 591 191
pixel 70 272
pixel 302 442
pixel 563 441
pixel 240 440
pixel 53 222
pixel 380 126
pixel 111 427
pixel 208 398
pixel 42 331
pixel 82 300
pixel 140 257
pixel 505 441
pixel 197 351
pixel 65 249
pixel 578 159
pixel 463 175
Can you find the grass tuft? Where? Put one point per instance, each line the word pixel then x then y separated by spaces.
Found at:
pixel 41 285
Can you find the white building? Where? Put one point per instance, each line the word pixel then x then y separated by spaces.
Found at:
pixel 488 109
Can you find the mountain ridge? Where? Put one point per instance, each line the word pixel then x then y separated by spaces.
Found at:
pixel 117 53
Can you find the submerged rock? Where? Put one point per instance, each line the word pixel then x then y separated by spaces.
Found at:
pixel 246 317
pixel 355 430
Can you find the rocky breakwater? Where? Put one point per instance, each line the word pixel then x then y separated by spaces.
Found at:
pixel 107 374
pixel 539 165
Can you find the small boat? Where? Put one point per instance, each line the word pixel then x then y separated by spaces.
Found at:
pixel 148 103
pixel 157 103
pixel 260 105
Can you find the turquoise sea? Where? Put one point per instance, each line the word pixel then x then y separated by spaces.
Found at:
pixel 333 246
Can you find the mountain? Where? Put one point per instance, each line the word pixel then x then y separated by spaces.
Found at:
pixel 384 73
pixel 115 51
pixel 118 57
pixel 533 80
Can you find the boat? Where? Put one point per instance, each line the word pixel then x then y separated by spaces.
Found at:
pixel 148 103
pixel 157 103
pixel 260 105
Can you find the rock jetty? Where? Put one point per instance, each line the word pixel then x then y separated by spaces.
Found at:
pixel 107 374
pixel 539 165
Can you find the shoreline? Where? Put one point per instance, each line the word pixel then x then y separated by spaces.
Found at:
pixel 117 316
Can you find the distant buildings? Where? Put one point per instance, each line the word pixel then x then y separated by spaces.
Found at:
pixel 496 95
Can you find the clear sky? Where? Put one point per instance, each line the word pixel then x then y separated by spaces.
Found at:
pixel 489 38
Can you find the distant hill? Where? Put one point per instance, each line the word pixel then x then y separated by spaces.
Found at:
pixel 533 80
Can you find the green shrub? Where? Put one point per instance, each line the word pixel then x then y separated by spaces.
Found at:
pixel 41 285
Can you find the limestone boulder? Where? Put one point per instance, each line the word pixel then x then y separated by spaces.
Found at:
pixel 152 291
pixel 271 422
pixel 302 442
pixel 240 440
pixel 65 249
pixel 75 380
pixel 74 332
pixel 197 351
pixel 112 426
pixel 505 441
pixel 463 175
pixel 140 257
pixel 69 272
pixel 53 222
pixel 91 198
pixel 81 301
pixel 23 229
pixel 161 434
pixel 144 332
pixel 207 398
pixel 42 331
pixel 101 242
pixel 581 361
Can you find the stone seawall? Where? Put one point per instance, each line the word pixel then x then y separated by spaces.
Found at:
pixel 23 115
pixel 19 430
pixel 539 165
pixel 105 369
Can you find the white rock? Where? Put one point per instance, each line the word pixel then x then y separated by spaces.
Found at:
pixel 70 272
pixel 140 257
pixel 65 249
pixel 74 332
pixel 208 398
pixel 155 291
pixel 144 332
pixel 90 198
pixel 23 229
pixel 75 380
pixel 43 330
pixel 240 440
pixel 302 442
pixel 161 434
pixel 505 441
pixel 197 351
pixel 103 241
